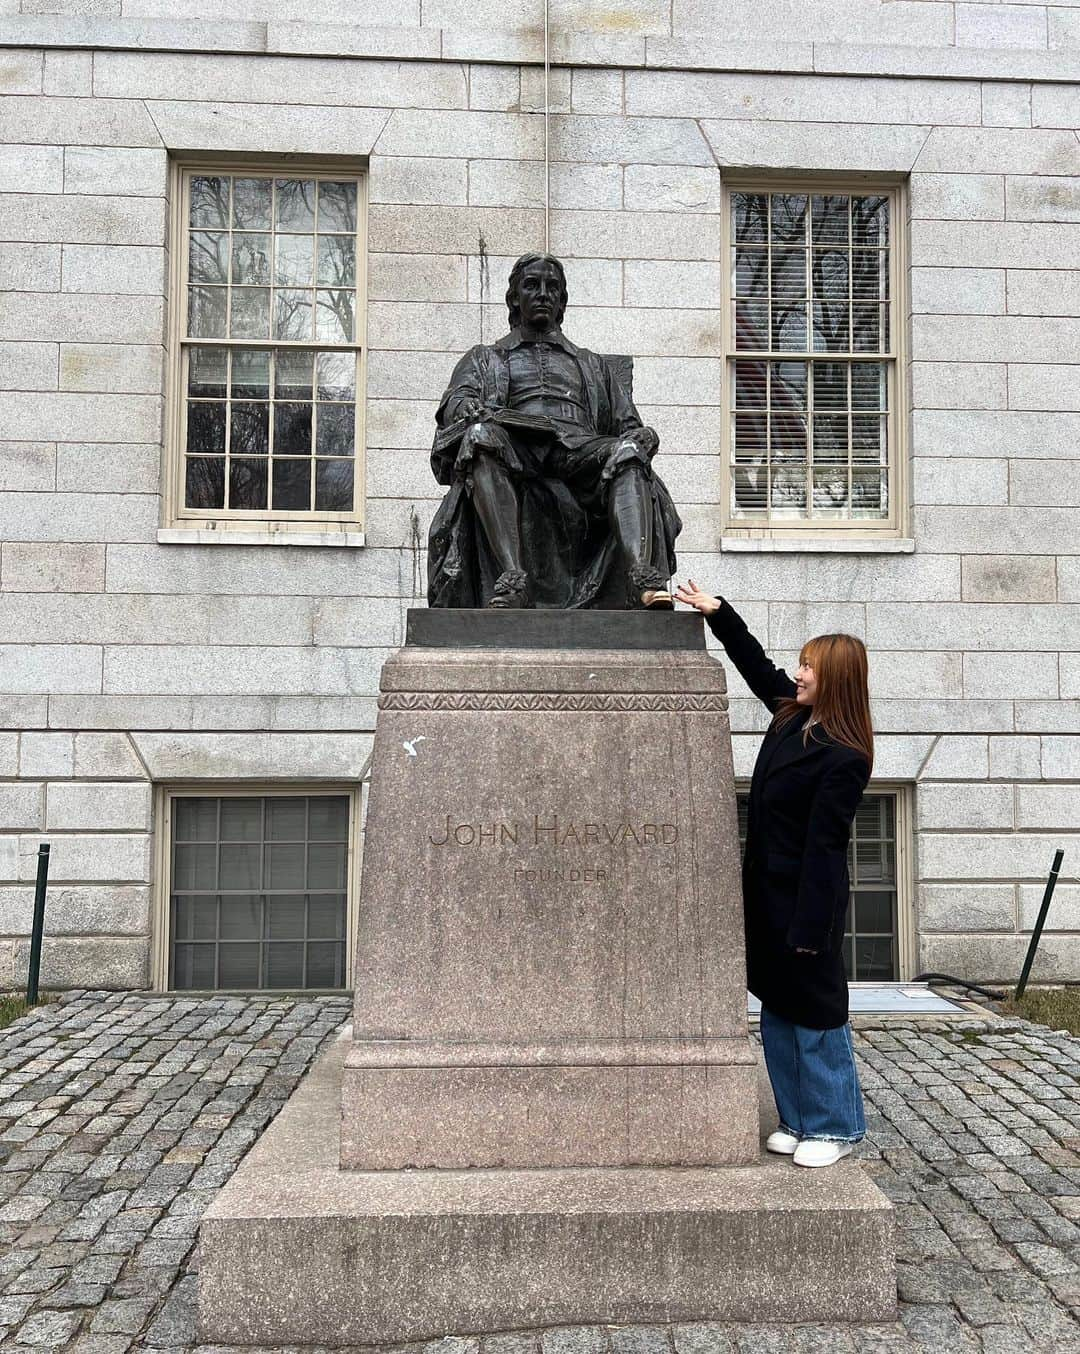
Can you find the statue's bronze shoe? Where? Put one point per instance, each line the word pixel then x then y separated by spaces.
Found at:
pixel 511 590
pixel 657 599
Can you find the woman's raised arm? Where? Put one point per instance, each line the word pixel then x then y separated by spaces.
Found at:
pixel 769 683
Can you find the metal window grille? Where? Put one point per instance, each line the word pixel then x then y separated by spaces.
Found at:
pixel 259 891
pixel 811 362
pixel 270 351
pixel 871 925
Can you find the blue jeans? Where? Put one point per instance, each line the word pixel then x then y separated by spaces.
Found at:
pixel 814 1081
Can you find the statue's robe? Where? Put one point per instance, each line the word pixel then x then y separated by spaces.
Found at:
pixel 563 479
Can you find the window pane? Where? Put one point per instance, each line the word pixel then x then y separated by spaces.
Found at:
pixel 250 316
pixel 292 314
pixel 337 376
pixel 193 967
pixel 325 965
pixel 241 820
pixel 751 272
pixel 206 372
pixel 250 374
pixel 292 429
pixel 336 429
pixel 251 203
pixel 787 385
pixel 830 219
pixel 750 216
pixel 337 261
pixel 294 263
pixel 326 916
pixel 787 217
pixel 286 819
pixel 334 486
pixel 194 918
pixel 870 220
pixel 752 325
pixel 241 865
pixel 788 490
pixel 337 207
pixel 285 965
pixel 210 201
pixel 832 333
pixel 238 965
pixel 830 490
pixel 326 865
pixel 294 204
pixel 874 910
pixel 205 426
pixel 293 374
pixel 195 867
pixel 291 485
pixel 334 316
pixel 251 260
pixel 247 483
pixel 241 917
pixel 208 257
pixel 830 385
pixel 195 819
pixel 250 429
pixel 204 482
pixel 868 330
pixel 789 327
pixel 329 818
pixel 285 917
pixel 285 865
pixel 206 312
pixel 750 385
pixel 868 385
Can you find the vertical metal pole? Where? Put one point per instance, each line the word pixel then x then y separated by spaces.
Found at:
pixel 39 923
pixel 547 131
pixel 1039 923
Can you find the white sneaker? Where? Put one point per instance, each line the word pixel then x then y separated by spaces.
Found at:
pixel 815 1152
pixel 784 1144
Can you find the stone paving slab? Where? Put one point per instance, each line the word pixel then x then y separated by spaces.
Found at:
pixel 121 1116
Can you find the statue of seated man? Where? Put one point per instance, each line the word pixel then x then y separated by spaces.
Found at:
pixel 553 501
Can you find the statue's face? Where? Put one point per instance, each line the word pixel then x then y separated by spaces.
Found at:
pixel 539 293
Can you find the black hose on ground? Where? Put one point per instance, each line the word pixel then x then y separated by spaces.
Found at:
pixel 956 982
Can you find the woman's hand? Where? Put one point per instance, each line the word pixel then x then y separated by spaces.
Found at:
pixel 692 595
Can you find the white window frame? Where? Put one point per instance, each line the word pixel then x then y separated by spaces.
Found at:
pixel 847 533
pixel 254 526
pixel 165 798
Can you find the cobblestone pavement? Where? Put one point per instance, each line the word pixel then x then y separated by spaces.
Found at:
pixel 122 1115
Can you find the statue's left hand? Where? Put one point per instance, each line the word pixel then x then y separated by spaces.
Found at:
pixel 647 439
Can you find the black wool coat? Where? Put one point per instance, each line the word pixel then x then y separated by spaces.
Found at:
pixel 803 798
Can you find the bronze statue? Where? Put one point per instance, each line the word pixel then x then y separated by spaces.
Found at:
pixel 553 501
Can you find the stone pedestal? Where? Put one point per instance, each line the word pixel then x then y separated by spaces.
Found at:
pixel 546 1112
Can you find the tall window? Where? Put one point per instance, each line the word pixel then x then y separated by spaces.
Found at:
pixel 811 336
pixel 258 891
pixel 871 928
pixel 267 426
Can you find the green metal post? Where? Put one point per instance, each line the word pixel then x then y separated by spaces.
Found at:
pixel 1040 922
pixel 39 924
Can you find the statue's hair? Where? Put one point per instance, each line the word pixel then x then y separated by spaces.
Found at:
pixel 516 274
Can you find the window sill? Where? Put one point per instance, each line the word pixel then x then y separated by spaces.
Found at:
pixel 819 545
pixel 227 536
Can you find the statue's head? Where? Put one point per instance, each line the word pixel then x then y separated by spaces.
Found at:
pixel 537 292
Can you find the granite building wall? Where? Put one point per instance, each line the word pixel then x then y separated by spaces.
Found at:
pixel 128 661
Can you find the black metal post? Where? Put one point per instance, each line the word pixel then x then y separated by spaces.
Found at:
pixel 39 924
pixel 1040 922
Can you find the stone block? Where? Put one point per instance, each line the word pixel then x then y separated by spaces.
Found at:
pixel 1054 105
pixel 83 122
pixel 88 467
pixel 986 856
pixel 20 72
pixel 9 741
pixel 66 416
pixel 970 626
pixel 997 959
pixel 1014 434
pixel 21 806
pixel 1064 914
pixel 417 277
pixel 1014 758
pixel 108 858
pixel 413 179
pixel 99 804
pixel 1012 531
pixel 338 620
pixel 253 756
pixel 654 282
pixel 957 757
pixel 443 325
pixel 505 183
pixel 236 79
pixel 1019 675
pixel 1061 757
pixel 31 169
pixel 109 756
pixel 90 319
pixel 965 907
pixel 78 517
pixel 964 806
pixel 1009 578
pixel 495 89
pixel 1006 105
pixel 1051 808
pixel 116 272
pixel 956 197
pixel 671 235
pixel 538 93
pixel 597 91
pixel 1007 25
pixel 9 859
pixel 112 963
pixel 69 73
pixel 55 567
pixel 814 146
pixel 621 17
pixel 1043 292
pixel 453 230
pixel 1062 29
pixel 1006 338
pixel 112 170
pixel 958 291
pixel 800 98
pixel 46 755
pixel 1045 482
pixel 928 674
pixel 50 219
pixel 1034 197
pixel 379 13
pixel 406 424
pixel 112 618
pixel 264 127
pixel 769 23
pixel 651 140
pixel 994 244
pixel 78 911
pixel 529 1258
pixel 1061 716
pixel 939 479
pixel 1000 150
pixel 27 366
pixel 30 267
pixel 670 188
pixel 337 39
pixel 111 367
pixel 50 668
pixel 959 385
pixel 1070 674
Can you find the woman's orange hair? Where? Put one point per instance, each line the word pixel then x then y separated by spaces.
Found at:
pixel 842 703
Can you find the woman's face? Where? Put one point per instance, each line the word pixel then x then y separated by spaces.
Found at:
pixel 805 684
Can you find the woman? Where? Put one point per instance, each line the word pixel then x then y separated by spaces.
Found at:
pixel 810 774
